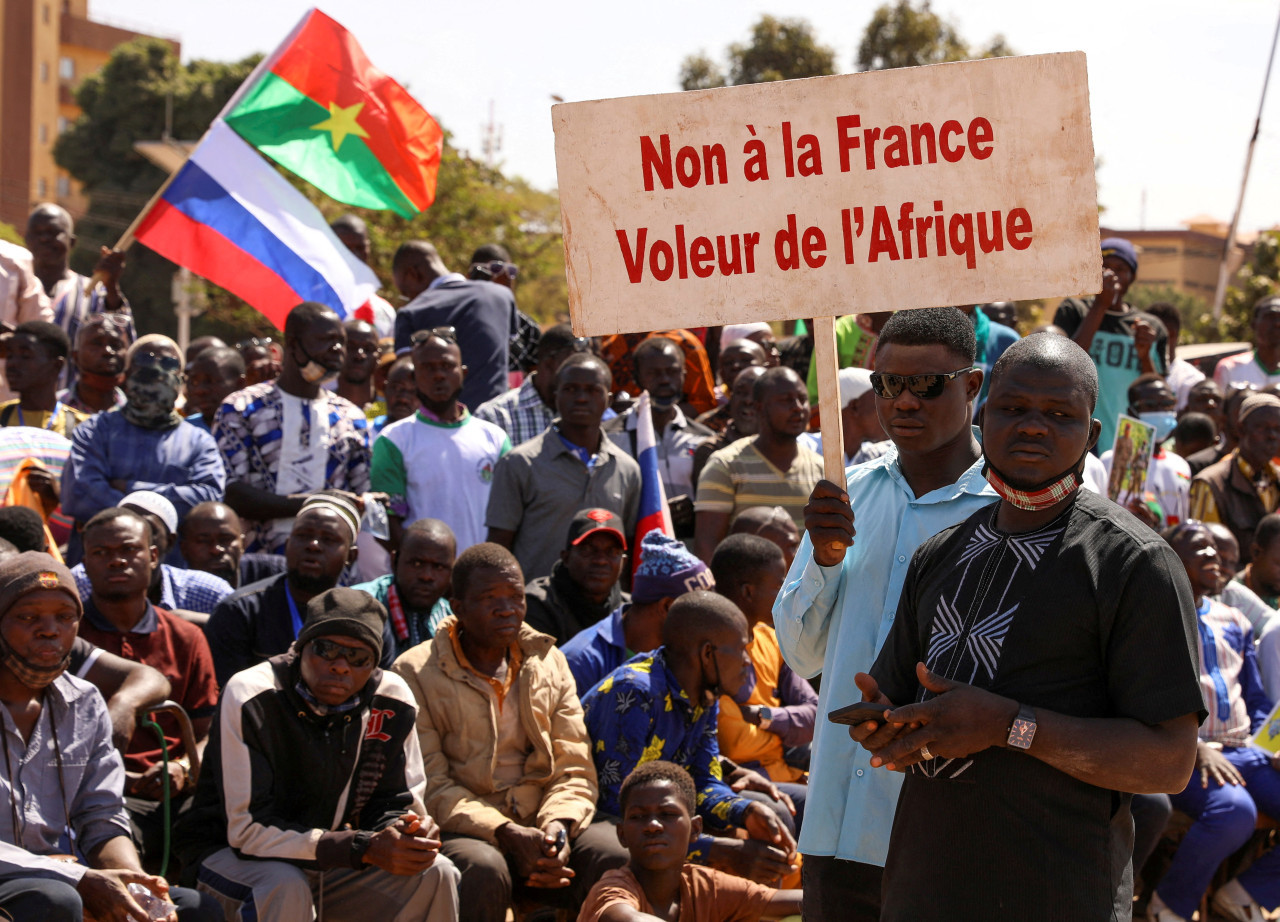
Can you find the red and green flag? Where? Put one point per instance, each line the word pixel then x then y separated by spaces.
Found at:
pixel 320 108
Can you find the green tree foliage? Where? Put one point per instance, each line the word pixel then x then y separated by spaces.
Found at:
pixel 125 102
pixel 902 34
pixel 10 233
pixel 1190 308
pixel 1258 278
pixel 777 49
pixel 699 72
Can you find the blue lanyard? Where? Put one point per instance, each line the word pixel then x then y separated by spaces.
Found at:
pixel 57 408
pixel 293 613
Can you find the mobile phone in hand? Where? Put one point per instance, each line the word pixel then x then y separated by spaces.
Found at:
pixel 859 713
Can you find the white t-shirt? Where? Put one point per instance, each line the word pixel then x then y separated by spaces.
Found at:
pixel 1182 377
pixel 1168 480
pixel 1241 369
pixel 1095 475
pixel 440 471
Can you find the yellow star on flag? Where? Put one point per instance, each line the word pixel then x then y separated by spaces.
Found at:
pixel 342 122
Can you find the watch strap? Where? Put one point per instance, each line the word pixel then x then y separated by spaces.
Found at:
pixel 360 843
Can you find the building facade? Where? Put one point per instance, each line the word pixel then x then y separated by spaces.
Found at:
pixel 46 48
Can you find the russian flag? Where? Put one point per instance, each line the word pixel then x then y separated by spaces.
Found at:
pixel 654 513
pixel 231 218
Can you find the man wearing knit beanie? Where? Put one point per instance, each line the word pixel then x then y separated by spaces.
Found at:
pixel 39 613
pixel 1123 343
pixel 317 726
pixel 667 571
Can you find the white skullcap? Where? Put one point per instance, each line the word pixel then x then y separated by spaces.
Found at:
pixel 854 382
pixel 736 331
pixel 154 503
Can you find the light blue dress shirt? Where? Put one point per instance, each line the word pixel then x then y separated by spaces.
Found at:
pixel 833 620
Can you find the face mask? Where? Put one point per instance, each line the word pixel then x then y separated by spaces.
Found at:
pixel 314 372
pixel 1163 420
pixel 36 677
pixel 151 395
pixel 664 403
pixel 1042 495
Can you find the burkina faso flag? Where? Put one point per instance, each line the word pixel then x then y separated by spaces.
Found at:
pixel 320 108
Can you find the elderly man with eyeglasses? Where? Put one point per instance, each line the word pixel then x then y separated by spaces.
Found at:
pixel 438 463
pixel 147 445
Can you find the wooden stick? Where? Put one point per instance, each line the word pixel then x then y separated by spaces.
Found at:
pixel 824 358
pixel 127 238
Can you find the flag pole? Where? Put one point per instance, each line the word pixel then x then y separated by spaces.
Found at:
pixel 127 238
pixel 1220 293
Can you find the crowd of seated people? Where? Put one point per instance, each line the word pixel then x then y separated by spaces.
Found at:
pixel 503 698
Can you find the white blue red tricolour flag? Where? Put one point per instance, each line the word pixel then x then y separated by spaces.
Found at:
pixel 654 513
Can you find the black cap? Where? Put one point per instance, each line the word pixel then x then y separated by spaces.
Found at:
pixel 348 612
pixel 589 521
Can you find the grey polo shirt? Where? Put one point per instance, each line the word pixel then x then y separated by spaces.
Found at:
pixel 540 484
pixel 680 439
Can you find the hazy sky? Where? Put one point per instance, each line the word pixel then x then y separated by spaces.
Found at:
pixel 1174 84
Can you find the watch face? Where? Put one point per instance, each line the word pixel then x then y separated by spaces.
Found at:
pixel 1022 733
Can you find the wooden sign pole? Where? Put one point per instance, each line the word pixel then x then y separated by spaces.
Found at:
pixel 824 357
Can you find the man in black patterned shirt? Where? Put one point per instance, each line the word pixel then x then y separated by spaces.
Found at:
pixel 1045 653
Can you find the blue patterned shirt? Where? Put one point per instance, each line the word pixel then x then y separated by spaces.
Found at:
pixel 189 590
pixel 639 714
pixel 248 429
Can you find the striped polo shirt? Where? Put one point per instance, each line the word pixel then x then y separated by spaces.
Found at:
pixel 737 477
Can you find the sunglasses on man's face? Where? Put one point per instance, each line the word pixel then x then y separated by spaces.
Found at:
pixel 926 387
pixel 327 650
pixel 497 267
pixel 163 361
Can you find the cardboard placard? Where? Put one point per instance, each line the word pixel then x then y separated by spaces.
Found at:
pixel 928 186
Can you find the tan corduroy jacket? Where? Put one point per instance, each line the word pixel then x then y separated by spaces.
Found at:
pixel 458 732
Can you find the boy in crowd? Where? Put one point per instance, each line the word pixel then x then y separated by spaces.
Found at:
pixel 659 823
pixel 1233 781
pixel 664 705
pixel 782 707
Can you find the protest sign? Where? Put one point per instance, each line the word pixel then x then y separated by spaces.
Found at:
pixel 920 187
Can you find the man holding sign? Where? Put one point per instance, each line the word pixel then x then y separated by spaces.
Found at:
pixel 954 184
pixel 837 604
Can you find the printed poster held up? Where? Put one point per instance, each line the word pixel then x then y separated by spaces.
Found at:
pixel 943 185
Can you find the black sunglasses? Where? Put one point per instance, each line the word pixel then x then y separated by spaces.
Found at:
pixel 252 341
pixel 327 650
pixel 497 267
pixel 926 387
pixel 448 334
pixel 168 363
